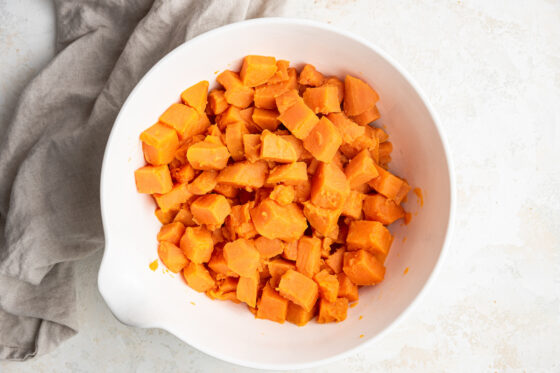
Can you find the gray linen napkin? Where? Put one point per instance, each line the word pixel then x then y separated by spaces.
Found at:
pixel 51 151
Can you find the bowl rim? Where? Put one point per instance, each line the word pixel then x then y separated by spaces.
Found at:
pixel 452 192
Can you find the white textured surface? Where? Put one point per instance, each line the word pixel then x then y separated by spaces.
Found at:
pixel 492 72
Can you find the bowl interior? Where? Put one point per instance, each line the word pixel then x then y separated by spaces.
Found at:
pixel 145 298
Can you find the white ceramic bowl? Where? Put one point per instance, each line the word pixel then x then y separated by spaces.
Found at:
pixel 140 297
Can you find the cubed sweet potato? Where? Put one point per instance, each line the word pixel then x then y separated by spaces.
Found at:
pixel 183 174
pixel 268 248
pixel 153 179
pixel 287 99
pixel 328 285
pixel 272 306
pixel 322 99
pixel 346 288
pixel 386 211
pixel 299 119
pixel 219 265
pixel 329 187
pixel 275 148
pixel 362 268
pixel 283 194
pixel 353 205
pixel 389 185
pixel 358 96
pixel 334 311
pixel 159 144
pixel 217 101
pixel 184 216
pixel 234 140
pixel 289 174
pixel 273 220
pixel 339 84
pixel 247 288
pixel 252 147
pixel 239 221
pixel 281 73
pixel 242 257
pixel 360 169
pixel 210 209
pixel 367 116
pixel 324 221
pixel 165 216
pixel 198 277
pixel 256 70
pixel 297 315
pixel 290 250
pixel 244 174
pixel 204 183
pixel 173 199
pixel 299 289
pixel 171 232
pixel 185 120
pixel 196 96
pixel 197 244
pixel 349 130
pixel 308 259
pixel 172 256
pixel 334 260
pixel 207 155
pixel 277 267
pixel 369 235
pixel 323 141
pixel 310 76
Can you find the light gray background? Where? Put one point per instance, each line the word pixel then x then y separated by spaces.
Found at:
pixel 492 71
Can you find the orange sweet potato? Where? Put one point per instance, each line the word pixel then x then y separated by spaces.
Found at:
pixel 183 174
pixel 358 96
pixel 198 277
pixel 172 256
pixel 231 115
pixel 289 174
pixel 389 185
pixel 299 289
pixel 386 211
pixel 247 288
pixel 256 70
pixel 265 95
pixel 339 84
pixel 173 199
pixel 185 120
pixel 240 96
pixel 287 99
pixel 275 148
pixel 268 248
pixel 196 96
pixel 206 155
pixel 385 150
pixel 228 191
pixel 229 79
pixel 244 174
pixel 367 116
pixel 362 268
pixel 297 315
pixel 239 221
pixel 210 209
pixel 309 256
pixel 281 73
pixel 324 221
pixel 329 187
pixel 346 288
pixel 349 130
pixel 303 191
pixel 369 235
pixel 301 152
pixel 323 141
pixel 171 232
pixel 360 169
pixel 299 119
pixel 242 257
pixel 252 147
pixel 353 205
pixel 310 76
pixel 234 140
pixel 273 220
pixel 283 194
pixel 322 99
pixel 165 216
pixel 197 244
pixel 328 285
pixel 217 101
pixel 184 217
pixel 332 311
pixel 272 306
pixel 334 260
pixel 204 183
pixel 153 179
pixel 159 144
pixel 219 265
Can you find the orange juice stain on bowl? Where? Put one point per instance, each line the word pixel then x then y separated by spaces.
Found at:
pixel 419 196
pixel 405 271
pixel 407 218
pixel 153 265
pixel 354 304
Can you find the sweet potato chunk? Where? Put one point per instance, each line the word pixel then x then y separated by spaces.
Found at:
pixel 386 211
pixel 332 311
pixel 242 257
pixel 367 116
pixel 283 194
pixel 268 248
pixel 334 260
pixel 328 285
pixel 349 130
pixel 239 221
pixel 219 265
pixel 324 221
pixel 252 147
pixel 389 185
pixel 196 96
pixel 308 259
pixel 299 289
pixel 183 174
pixel 273 220
pixel 323 140
pixel 247 288
pixel 172 256
pixel 185 120
pixel 240 96
pixel 369 235
pixel 289 174
pixel 286 100
pixel 353 205
pixel 385 150
pixel 244 174
pixel 310 76
pixel 198 277
pixel 165 216
pixel 272 306
pixel 297 315
pixel 197 244
pixel 358 96
pixel 173 199
pixel 207 155
pixel 184 216
pixel 171 232
pixel 360 169
pixel 217 101
pixel 265 95
pixel 256 70
pixel 278 267
pixel 346 288
pixel 204 183
pixel 153 179
pixel 234 140
pixel 322 99
pixel 329 187
pixel 299 119
pixel 362 268
pixel 275 148
pixel 339 84
pixel 159 144
pixel 266 119
pixel 210 209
